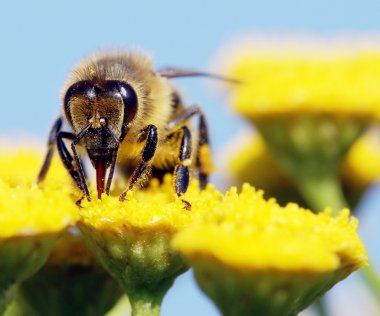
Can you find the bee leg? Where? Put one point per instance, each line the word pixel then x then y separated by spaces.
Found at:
pixel 147 155
pixel 78 162
pixel 73 165
pixel 111 172
pixel 113 161
pixel 181 170
pixel 49 155
pixel 67 158
pixel 203 159
pixel 203 162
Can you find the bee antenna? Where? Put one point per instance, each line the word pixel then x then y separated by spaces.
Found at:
pixel 178 73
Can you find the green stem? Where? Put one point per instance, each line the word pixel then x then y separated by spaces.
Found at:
pixel 145 304
pixel 372 280
pixel 320 306
pixel 19 307
pixel 7 294
pixel 321 191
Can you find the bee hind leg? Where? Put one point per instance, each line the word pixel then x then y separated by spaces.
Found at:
pixel 203 162
pixel 203 157
pixel 181 170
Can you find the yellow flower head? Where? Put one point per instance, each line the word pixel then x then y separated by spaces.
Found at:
pixel 156 209
pixel 247 232
pixel 132 238
pixel 310 101
pixel 361 166
pixel 284 77
pixel 270 260
pixel 25 208
pixel 31 219
pixel 20 166
pixel 30 210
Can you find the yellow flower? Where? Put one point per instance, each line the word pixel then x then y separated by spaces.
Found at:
pixel 31 219
pixel 27 209
pixel 156 209
pixel 132 238
pixel 20 166
pixel 282 78
pixel 361 166
pixel 310 106
pixel 253 257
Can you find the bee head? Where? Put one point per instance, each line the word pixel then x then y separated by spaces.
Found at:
pixel 106 104
pixel 104 110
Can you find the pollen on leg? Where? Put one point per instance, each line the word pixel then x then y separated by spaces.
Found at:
pixel 206 163
pixel 186 162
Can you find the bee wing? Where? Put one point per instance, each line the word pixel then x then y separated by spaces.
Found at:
pixel 178 72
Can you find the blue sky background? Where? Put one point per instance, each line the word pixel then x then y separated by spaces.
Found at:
pixel 42 40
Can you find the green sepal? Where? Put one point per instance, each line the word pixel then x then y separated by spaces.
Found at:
pixel 141 260
pixel 310 150
pixel 76 289
pixel 21 257
pixel 262 293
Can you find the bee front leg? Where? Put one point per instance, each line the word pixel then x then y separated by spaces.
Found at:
pixel 113 160
pixel 73 165
pixel 49 155
pixel 56 136
pixel 150 132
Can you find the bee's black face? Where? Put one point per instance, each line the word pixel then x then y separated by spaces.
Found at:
pixel 104 109
pixel 109 103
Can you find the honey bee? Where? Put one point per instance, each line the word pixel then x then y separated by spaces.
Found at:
pixel 124 113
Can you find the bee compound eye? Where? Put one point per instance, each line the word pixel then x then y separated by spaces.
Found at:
pixel 130 101
pixel 79 88
pixel 128 94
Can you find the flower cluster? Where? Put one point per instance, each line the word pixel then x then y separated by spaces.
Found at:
pixel 251 255
pixel 311 103
pixel 132 241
